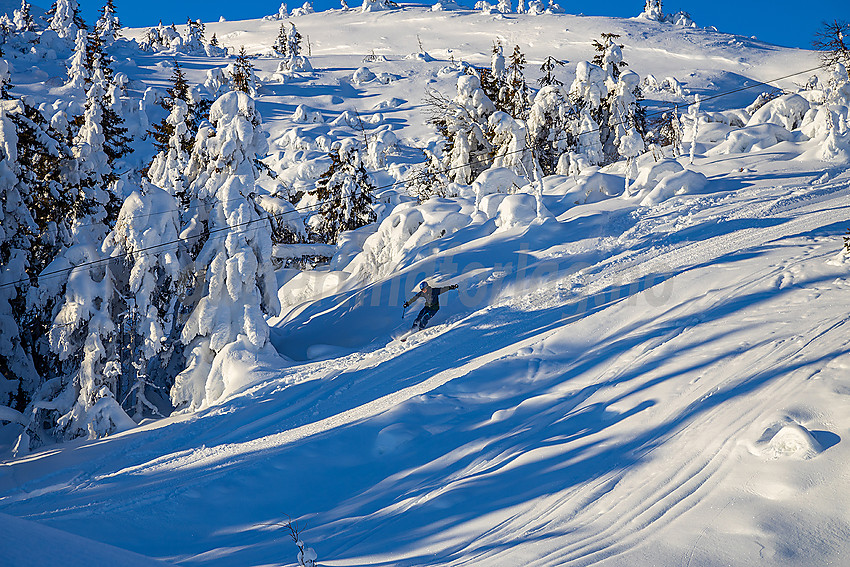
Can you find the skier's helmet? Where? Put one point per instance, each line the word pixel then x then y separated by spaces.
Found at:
pixel 423 285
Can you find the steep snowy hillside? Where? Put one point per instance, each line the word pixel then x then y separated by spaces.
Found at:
pixel 635 369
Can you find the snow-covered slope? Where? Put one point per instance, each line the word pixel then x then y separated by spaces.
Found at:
pixel 653 379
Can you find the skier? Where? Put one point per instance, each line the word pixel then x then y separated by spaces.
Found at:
pixel 432 303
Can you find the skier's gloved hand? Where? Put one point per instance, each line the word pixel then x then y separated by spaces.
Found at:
pixel 406 305
pixel 453 286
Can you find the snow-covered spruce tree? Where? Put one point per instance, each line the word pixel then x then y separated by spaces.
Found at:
pixel 514 97
pixel 148 284
pixel 194 41
pixel 509 139
pixel 96 154
pixel 588 92
pixel 242 73
pixel 652 11
pixel 552 124
pixel 173 138
pixel 670 132
pixel 5 80
pixel 99 63
pixel 23 19
pixel 493 79
pixel 626 116
pixel 504 6
pixel 281 43
pixel 294 60
pixel 548 72
pixel 345 194
pixel 64 18
pixel 48 174
pixel 85 338
pixel 463 124
pixel 237 287
pixel 17 371
pixel 84 335
pixel 104 115
pixel 79 76
pixel 609 56
pixel 108 26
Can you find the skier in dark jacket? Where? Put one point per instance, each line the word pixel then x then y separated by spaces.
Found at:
pixel 432 303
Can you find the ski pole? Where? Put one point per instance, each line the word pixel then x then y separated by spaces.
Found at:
pixel 404 310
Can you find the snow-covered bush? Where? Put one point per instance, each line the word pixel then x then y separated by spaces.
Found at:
pixel 597 186
pixel 753 138
pixel 786 111
pixel 652 11
pixel 305 9
pixel 679 183
pixel 650 174
pixel 515 210
pixel 404 232
pixel 497 180
pixel 378 5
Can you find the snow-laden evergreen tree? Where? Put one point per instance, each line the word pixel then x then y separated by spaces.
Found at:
pixel 550 64
pixel 17 371
pixel 652 11
pixel 552 122
pixel 589 149
pixel 242 75
pixel 463 124
pixel 630 146
pixel 78 67
pixel 108 26
pixel 5 80
pixel 23 19
pixel 514 96
pixel 345 195
pixel 193 40
pixel 520 7
pixel 173 138
pixel 609 56
pixel 504 6
pixel 624 111
pixel 141 245
pixel 99 143
pixel 237 287
pixel 167 170
pixel 281 43
pixel 294 60
pixel 85 338
pixel 695 118
pixel 509 139
pixel 282 12
pixel 84 335
pixel 670 132
pixel 536 8
pixel 305 9
pixel 65 20
pixel 588 89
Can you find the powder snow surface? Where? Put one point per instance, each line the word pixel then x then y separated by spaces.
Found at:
pixel 655 378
